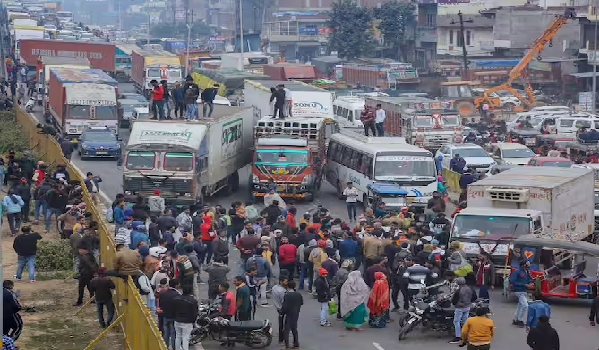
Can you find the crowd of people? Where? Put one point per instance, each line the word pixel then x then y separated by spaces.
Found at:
pixel 181 101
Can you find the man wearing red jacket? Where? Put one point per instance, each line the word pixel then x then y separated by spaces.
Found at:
pixel 287 255
pixel 207 235
pixel 157 99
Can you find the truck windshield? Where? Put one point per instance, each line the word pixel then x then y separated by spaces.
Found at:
pixel 450 121
pixel 178 161
pixel 140 160
pixel 490 227
pixel 105 112
pixel 154 73
pixel 423 122
pixel 79 112
pixel 281 157
pixel 397 167
pixel 174 73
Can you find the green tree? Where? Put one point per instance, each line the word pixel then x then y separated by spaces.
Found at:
pixel 397 24
pixel 351 29
pixel 179 30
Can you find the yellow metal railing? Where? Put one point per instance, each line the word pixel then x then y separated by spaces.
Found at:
pixel 452 180
pixel 140 330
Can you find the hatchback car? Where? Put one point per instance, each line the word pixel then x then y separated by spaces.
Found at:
pixel 550 161
pixel 511 153
pixel 125 108
pixel 99 142
pixel 474 155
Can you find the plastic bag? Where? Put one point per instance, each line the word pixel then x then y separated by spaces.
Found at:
pixel 332 307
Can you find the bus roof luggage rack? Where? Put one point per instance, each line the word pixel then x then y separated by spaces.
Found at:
pixel 358 134
pixel 306 127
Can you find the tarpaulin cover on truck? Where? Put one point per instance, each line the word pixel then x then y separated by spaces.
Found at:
pixel 231 78
pixel 70 75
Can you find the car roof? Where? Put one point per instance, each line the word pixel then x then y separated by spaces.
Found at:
pixel 552 159
pixel 464 145
pixel 508 145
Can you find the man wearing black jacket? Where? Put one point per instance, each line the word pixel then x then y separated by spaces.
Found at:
pixel 25 245
pixel 166 304
pixel 208 96
pixel 102 287
pixel 277 99
pixel 87 269
pixel 191 91
pixel 543 336
pixel 12 322
pixel 57 202
pixel 23 189
pixel 186 313
pixel 323 294
pixel 292 304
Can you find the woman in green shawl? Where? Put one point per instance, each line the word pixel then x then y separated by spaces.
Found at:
pixel 354 294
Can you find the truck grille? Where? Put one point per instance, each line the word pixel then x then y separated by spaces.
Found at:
pixel 169 187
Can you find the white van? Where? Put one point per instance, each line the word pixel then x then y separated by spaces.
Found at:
pixel 571 124
pixel 347 110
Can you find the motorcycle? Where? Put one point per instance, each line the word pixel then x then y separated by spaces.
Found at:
pixel 435 314
pixel 30 105
pixel 254 334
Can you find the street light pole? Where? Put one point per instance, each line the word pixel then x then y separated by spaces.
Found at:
pixel 189 25
pixel 241 60
pixel 593 104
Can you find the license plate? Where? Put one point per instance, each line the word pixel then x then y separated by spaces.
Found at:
pixel 281 188
pixel 101 153
pixel 410 200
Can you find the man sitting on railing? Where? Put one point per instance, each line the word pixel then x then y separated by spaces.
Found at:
pixel 126 262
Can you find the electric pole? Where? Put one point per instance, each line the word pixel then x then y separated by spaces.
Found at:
pixel 462 37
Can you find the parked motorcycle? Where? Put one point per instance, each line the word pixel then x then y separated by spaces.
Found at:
pixel 433 313
pixel 254 334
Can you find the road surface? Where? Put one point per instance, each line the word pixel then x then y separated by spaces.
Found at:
pixel 569 318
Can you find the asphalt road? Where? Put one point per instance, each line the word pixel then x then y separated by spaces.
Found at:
pixel 569 318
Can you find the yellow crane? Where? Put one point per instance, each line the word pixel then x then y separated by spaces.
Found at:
pixel 520 70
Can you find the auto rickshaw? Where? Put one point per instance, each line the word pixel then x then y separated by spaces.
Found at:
pixel 557 266
pixel 581 151
pixel 553 141
pixel 393 195
pixel 526 137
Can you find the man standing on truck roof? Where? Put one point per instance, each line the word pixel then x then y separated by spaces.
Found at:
pixel 208 96
pixel 288 101
pixel 379 119
pixel 191 91
pixel 157 100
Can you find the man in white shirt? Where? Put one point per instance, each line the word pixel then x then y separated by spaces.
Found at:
pixel 288 101
pixel 351 198
pixel 379 118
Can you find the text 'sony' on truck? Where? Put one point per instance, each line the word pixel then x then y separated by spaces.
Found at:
pixel 188 161
pixel 423 122
pixel 148 65
pixel 291 153
pixel 551 202
pixel 81 98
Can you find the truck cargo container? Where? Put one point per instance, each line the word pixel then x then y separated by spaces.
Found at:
pixel 101 55
pixel 188 161
pixel 80 98
pixel 291 153
pixel 123 61
pixel 549 202
pixel 147 65
pixel 422 121
pixel 308 100
pixel 43 71
pixel 174 46
pixel 391 75
pixel 290 71
pixel 21 33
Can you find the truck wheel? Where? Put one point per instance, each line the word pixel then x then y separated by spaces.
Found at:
pixel 309 197
pixel 234 182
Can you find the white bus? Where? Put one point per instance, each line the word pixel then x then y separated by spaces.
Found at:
pixel 64 16
pixel 353 157
pixel 347 110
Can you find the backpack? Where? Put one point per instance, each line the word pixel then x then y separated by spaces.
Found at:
pixel 110 214
pixel 139 275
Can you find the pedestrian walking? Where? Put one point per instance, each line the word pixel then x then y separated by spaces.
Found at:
pixel 102 286
pixel 87 269
pixel 378 302
pixel 478 331
pixel 25 245
pixel 278 296
pixel 186 313
pixel 217 274
pixel 13 204
pixel 353 296
pixel 323 295
pixel 543 336
pixel 519 280
pixel 536 309
pixel 485 275
pixel 292 305
pixel 379 118
pixel 165 301
pixel 462 299
pixel 243 303
pixel 351 200
pixel 12 321
pixel 263 271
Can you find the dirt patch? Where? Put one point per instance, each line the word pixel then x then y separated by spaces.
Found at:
pixel 48 311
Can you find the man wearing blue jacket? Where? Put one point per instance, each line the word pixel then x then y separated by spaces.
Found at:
pixel 519 280
pixel 536 309
pixel 264 271
pixel 138 234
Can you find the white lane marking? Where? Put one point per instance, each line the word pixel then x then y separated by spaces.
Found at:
pixel 378 346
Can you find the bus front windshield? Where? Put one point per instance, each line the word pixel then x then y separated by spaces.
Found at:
pixel 281 157
pixel 490 227
pixel 389 168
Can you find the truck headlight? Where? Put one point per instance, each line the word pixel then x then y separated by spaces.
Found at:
pixel 255 179
pixel 307 179
pixel 187 194
pixel 128 193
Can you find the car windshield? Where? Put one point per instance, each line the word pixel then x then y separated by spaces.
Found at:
pixel 178 161
pixel 558 163
pixel 394 167
pixel 140 160
pixel 518 153
pixel 423 122
pixel 97 136
pixel 281 157
pixel 490 227
pixel 470 152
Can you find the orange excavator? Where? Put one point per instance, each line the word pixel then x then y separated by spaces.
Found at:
pixel 521 70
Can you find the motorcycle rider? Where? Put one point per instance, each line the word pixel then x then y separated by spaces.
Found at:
pixel 462 299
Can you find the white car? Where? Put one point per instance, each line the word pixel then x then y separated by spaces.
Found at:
pixel 474 155
pixel 508 153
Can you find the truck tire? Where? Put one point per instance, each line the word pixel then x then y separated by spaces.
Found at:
pixel 251 188
pixel 309 197
pixel 234 182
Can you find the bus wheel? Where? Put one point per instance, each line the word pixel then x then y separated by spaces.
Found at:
pixel 339 191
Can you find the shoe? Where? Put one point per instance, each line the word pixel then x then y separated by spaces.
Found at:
pixel 455 340
pixel 265 305
pixel 16 278
pixel 102 326
pixel 395 309
pixel 79 303
pixel 31 281
pixel 520 324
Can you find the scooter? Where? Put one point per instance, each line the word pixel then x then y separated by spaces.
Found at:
pixel 30 105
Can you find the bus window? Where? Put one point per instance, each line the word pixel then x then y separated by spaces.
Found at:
pixel 350 116
pixel 369 167
pixel 345 155
pixel 335 110
pixel 331 150
pixel 361 164
pixel 353 161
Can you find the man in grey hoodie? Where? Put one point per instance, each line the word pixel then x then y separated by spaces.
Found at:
pixel 156 204
pixel 462 299
pixel 195 262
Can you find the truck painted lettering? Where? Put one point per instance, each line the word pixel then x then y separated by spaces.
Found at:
pixel 475 194
pixel 71 54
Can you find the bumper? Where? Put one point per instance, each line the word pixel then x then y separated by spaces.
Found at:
pixel 285 190
pixel 92 153
pixel 184 201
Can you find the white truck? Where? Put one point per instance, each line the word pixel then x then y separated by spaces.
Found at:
pixel 551 202
pixel 308 101
pixel 188 161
